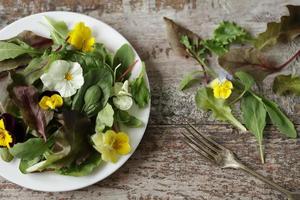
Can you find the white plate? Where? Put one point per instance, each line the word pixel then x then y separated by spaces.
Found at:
pixel 49 181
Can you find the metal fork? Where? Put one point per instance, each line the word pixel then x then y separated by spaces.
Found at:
pixel 224 158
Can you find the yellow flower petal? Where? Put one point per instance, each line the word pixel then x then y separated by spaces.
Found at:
pixel 5 138
pixel 88 45
pixel 215 83
pixel 2 126
pixel 57 100
pixel 221 90
pixel 109 137
pixel 109 155
pixel 121 144
pixel 44 102
pixel 52 102
pixel 228 84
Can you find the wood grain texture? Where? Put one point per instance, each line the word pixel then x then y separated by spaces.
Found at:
pixel 163 167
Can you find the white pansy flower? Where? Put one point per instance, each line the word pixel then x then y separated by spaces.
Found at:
pixel 64 77
pixel 122 99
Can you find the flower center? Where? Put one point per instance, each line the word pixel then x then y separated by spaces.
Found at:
pixel 68 76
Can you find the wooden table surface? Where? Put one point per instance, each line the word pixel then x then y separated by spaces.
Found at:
pixel 163 167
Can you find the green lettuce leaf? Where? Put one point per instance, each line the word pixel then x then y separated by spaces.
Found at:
pixel 105 118
pixel 11 50
pixel 206 101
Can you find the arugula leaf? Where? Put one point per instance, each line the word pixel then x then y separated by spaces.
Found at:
pixel 254 115
pixel 6 155
pixel 215 46
pixel 11 50
pixel 179 37
pixel 59 30
pixel 279 119
pixel 287 84
pixel 189 79
pixel 286 30
pixel 139 90
pixel 104 118
pixel 125 118
pixel 124 56
pixel 26 99
pixel 206 101
pixel 30 149
pixel 84 168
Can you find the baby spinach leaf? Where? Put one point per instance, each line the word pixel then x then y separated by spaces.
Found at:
pixel 175 32
pixel 245 79
pixel 286 30
pixel 59 30
pixel 104 118
pixel 254 115
pixel 125 118
pixel 124 56
pixel 206 101
pixel 84 168
pixel 11 50
pixel 26 99
pixel 279 119
pixel 287 84
pixel 30 149
pixel 189 79
pixel 139 90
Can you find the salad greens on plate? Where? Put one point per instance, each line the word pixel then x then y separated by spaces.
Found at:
pixel 67 100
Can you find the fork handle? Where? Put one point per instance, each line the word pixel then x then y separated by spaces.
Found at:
pixel 265 180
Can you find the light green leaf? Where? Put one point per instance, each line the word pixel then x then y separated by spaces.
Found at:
pixel 11 50
pixel 189 79
pixel 279 119
pixel 59 30
pixel 10 64
pixel 25 164
pixel 287 84
pixel 254 115
pixel 6 155
pixel 30 149
pixel 104 118
pixel 124 56
pixel 206 100
pixel 245 79
pixel 139 90
pixel 125 118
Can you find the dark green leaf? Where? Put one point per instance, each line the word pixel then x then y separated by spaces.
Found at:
pixel 189 79
pixel 254 115
pixel 124 56
pixel 125 118
pixel 215 46
pixel 84 168
pixel 279 119
pixel 286 30
pixel 206 101
pixel 139 90
pixel 287 84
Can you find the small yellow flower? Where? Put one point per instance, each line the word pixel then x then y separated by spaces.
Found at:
pixel 222 89
pixel 81 37
pixel 111 144
pixel 52 102
pixel 5 137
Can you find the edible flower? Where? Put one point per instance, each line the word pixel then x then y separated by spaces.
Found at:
pixel 221 88
pixel 111 144
pixel 122 98
pixel 50 100
pixel 11 131
pixel 64 77
pixel 81 37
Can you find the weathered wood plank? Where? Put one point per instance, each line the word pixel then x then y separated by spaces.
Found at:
pixel 163 166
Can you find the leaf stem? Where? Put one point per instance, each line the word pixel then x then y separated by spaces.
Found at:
pixel 261 152
pixel 238 98
pixel 288 61
pixel 202 64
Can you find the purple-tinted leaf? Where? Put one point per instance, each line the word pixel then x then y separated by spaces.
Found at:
pixel 34 40
pixel 26 99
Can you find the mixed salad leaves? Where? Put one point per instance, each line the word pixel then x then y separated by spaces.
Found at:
pixel 65 100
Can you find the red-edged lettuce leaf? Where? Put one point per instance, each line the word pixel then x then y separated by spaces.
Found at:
pixel 26 99
pixel 33 40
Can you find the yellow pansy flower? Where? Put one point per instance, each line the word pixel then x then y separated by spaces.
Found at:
pixel 5 137
pixel 111 145
pixel 52 102
pixel 221 88
pixel 81 37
